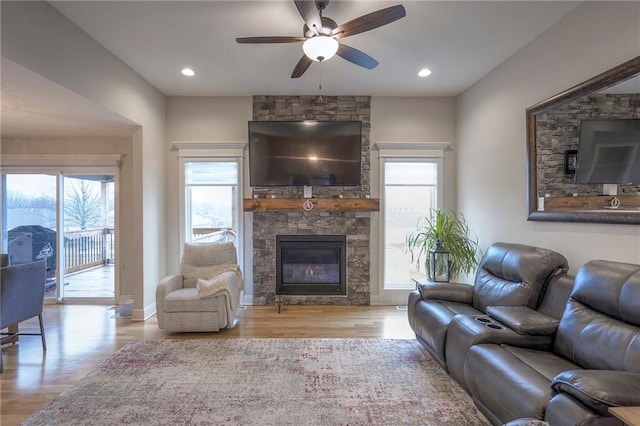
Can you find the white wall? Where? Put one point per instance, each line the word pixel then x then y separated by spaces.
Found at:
pixel 401 119
pixel 36 36
pixel 416 120
pixel 198 118
pixel 491 168
pixel 225 119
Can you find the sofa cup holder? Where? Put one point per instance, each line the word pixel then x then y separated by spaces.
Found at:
pixel 488 322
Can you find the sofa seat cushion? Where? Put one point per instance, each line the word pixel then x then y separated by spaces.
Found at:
pixel 512 382
pixel 432 319
pixel 544 363
pixel 188 300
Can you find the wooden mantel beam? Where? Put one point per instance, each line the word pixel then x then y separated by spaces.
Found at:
pixel 311 204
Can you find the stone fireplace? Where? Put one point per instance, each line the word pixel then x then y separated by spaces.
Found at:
pixel 353 226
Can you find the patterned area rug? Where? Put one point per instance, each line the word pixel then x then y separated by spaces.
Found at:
pixel 265 382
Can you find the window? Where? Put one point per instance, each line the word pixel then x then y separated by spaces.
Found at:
pixel 210 192
pixel 410 191
pixel 211 200
pixel 411 183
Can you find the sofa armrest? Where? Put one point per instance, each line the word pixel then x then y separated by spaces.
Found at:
pixel 452 292
pixel 524 320
pixel 599 389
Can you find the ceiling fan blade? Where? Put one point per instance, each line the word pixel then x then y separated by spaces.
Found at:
pixel 370 21
pixel 270 39
pixel 356 56
pixel 301 66
pixel 309 12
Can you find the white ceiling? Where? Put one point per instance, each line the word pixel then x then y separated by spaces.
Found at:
pixel 34 106
pixel 460 41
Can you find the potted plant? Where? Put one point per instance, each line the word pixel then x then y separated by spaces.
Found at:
pixel 444 228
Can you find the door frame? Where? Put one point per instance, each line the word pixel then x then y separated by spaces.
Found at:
pixel 61 165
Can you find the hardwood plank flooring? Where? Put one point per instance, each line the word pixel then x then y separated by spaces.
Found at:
pixel 79 337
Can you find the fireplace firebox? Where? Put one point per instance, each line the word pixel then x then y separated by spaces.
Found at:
pixel 311 265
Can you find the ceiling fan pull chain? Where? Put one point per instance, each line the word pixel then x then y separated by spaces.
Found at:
pixel 320 84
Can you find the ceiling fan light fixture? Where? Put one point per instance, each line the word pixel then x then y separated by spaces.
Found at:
pixel 320 47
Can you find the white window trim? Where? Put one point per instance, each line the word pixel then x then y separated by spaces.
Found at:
pixel 405 152
pixel 16 162
pixel 211 151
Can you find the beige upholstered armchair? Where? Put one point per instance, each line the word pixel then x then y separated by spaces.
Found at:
pixel 206 294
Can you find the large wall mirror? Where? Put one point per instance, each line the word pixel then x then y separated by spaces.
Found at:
pixel 584 151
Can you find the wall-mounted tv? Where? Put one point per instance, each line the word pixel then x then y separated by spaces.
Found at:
pixel 609 152
pixel 296 153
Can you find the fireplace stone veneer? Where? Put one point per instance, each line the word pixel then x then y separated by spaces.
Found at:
pixel 353 225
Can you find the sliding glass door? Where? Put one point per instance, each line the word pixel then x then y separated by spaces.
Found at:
pixel 68 220
pixel 89 231
pixel 29 222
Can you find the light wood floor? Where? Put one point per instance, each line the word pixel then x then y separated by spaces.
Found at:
pixel 80 337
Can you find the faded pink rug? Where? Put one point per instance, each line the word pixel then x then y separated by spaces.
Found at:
pixel 265 382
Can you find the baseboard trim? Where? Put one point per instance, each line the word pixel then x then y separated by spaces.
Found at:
pixel 144 314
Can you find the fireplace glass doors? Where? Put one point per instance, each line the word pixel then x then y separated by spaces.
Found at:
pixel 311 265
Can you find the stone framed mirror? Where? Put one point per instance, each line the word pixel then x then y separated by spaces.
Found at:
pixel 553 136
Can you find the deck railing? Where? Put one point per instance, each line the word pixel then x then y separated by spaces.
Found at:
pixel 212 235
pixel 88 248
pixel 94 247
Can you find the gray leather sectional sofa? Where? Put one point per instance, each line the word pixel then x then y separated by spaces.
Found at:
pixel 564 357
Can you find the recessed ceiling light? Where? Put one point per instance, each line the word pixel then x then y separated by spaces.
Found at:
pixel 188 72
pixel 424 72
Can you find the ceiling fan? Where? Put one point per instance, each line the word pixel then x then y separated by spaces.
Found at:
pixel 321 34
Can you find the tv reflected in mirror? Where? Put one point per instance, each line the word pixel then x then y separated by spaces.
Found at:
pixel 609 152
pixel 298 153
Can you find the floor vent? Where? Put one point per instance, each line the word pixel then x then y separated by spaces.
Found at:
pixel 401 307
pixel 242 308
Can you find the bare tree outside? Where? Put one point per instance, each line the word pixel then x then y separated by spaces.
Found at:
pixel 82 204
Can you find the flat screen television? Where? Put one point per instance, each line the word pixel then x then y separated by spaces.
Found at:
pixel 609 152
pixel 296 153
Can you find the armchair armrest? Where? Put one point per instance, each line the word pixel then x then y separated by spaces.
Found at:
pixel 166 286
pixel 452 292
pixel 599 389
pixel 524 320
pixel 169 284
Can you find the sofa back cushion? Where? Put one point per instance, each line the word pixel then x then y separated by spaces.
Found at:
pixel 600 327
pixel 515 275
pixel 556 295
pixel 205 261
